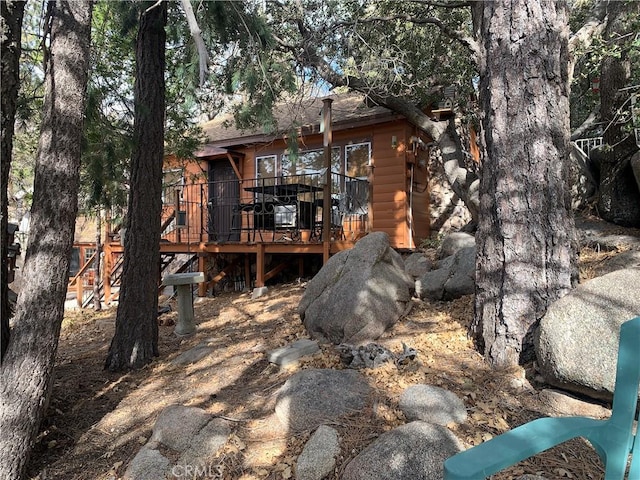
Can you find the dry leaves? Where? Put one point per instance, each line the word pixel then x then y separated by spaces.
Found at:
pixel 238 382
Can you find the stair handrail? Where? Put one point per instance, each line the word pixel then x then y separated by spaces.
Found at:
pixel 82 271
pixel 588 144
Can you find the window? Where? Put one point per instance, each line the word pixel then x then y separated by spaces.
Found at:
pixel 266 167
pixel 309 162
pixel 88 253
pixel 172 180
pixel 358 158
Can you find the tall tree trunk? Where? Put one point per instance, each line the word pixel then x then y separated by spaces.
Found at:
pixel 10 33
pixel 26 373
pixel 135 342
pixel 526 238
pixel 97 303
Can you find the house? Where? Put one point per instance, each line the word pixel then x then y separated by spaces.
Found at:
pixel 378 182
pixel 254 203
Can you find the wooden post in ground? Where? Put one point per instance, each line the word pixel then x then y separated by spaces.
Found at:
pixel 260 266
pixel 202 287
pixel 79 290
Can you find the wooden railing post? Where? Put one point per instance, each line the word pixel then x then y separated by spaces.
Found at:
pixel 79 290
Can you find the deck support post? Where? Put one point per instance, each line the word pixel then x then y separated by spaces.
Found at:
pixel 260 266
pixel 79 290
pixel 202 287
pixel 326 191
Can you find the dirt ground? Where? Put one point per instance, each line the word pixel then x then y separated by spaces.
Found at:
pixel 97 421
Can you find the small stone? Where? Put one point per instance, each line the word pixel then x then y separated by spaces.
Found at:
pixel 291 353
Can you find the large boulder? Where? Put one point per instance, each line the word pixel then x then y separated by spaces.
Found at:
pixel 577 340
pixel 454 277
pixel 358 294
pixel 417 264
pixel 455 241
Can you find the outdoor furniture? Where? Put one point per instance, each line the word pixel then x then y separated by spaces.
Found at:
pixel 186 323
pixel 287 206
pixel 336 216
pixel 613 439
pixel 240 212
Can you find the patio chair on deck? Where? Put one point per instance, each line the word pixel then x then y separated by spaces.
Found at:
pixel 354 208
pixel 614 439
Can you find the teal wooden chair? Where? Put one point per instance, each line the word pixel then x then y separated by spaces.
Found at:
pixel 613 439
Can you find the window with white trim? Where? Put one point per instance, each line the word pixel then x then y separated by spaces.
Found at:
pixel 267 168
pixel 172 180
pixel 309 162
pixel 357 159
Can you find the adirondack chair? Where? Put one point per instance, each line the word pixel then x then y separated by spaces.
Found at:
pixel 613 439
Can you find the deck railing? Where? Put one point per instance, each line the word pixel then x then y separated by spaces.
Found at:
pixel 587 144
pixel 265 209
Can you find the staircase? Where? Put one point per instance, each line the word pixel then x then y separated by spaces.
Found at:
pixel 169 263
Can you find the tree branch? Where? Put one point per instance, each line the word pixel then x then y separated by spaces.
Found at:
pixel 594 26
pixel 583 37
pixel 463 182
pixel 196 33
pixel 591 120
pixel 442 4
pixel 459 36
pixel 157 4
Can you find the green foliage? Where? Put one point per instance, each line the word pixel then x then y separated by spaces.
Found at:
pixel 28 112
pixel 109 120
pixel 433 242
pixel 245 62
pixel 274 53
pixel 622 42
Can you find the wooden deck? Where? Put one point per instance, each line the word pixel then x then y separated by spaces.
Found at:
pixel 247 254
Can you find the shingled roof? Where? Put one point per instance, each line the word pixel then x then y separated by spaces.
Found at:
pixel 347 111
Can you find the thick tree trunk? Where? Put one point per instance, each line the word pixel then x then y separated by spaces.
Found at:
pixel 26 373
pixel 526 238
pixel 135 342
pixel 11 28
